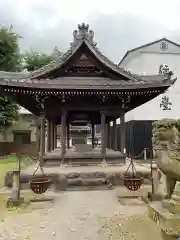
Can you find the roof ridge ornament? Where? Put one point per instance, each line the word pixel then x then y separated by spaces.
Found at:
pixel 83 33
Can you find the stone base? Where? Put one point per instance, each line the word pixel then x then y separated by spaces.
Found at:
pixel 43 199
pixel 88 180
pixel 168 237
pixel 168 223
pixel 14 203
pixel 174 206
pixel 151 197
pixel 63 178
pixel 155 196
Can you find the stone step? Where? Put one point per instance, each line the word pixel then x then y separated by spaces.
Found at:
pixel 77 183
pixel 87 183
pixel 52 163
pixel 79 178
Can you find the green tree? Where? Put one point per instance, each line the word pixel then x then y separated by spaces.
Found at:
pixel 8 112
pixel 35 60
pixel 10 57
pixel 10 60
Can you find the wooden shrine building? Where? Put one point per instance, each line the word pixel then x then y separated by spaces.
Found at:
pixel 82 84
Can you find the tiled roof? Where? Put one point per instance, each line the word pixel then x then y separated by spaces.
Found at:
pixel 83 36
pixel 87 83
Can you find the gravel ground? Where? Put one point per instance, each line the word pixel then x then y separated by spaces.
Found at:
pixel 73 216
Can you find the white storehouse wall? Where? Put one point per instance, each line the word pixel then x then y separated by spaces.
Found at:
pixel 147 61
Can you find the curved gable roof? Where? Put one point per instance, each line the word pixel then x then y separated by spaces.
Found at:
pixel 82 36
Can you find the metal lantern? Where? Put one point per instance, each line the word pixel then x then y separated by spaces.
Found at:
pixel 131 181
pixel 40 185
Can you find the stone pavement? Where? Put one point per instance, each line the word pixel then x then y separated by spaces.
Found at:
pixel 73 216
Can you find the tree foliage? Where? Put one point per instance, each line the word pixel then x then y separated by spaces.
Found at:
pixel 10 60
pixel 36 60
pixel 10 57
pixel 8 112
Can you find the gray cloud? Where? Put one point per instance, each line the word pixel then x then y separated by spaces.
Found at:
pixel 115 34
pixel 118 33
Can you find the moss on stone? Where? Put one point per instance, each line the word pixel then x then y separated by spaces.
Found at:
pixel 166 221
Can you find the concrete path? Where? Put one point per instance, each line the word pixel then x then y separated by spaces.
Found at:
pixel 73 216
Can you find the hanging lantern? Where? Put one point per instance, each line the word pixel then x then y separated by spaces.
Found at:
pixel 131 181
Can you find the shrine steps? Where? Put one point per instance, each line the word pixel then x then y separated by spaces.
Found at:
pixel 81 162
pixel 80 183
pixel 83 178
pixel 86 158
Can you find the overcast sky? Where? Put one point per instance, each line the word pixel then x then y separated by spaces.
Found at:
pixel 119 25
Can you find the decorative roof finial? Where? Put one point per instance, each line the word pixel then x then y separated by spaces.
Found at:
pixel 83 33
pixel 83 29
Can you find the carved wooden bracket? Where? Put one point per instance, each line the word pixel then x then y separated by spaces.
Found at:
pixel 40 101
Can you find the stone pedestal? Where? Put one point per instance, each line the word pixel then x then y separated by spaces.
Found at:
pixel 168 223
pixel 156 194
pixel 15 199
pixel 166 215
pixel 174 203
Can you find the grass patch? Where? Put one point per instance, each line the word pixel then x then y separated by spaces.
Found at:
pixel 27 195
pixel 10 163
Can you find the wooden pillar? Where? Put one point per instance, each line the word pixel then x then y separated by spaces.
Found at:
pixel 55 135
pixel 68 135
pixel 108 137
pixel 42 140
pixel 123 134
pixel 38 139
pixel 51 136
pixel 53 142
pixel 48 136
pixel 103 137
pixel 114 136
pixel 92 131
pixel 63 136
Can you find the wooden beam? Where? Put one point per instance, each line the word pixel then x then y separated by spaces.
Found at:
pixel 26 102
